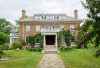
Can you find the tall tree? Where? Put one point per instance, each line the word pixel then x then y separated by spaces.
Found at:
pixel 5 26
pixel 93 6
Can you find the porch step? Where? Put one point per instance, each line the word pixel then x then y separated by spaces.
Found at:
pixel 50 49
pixel 50 52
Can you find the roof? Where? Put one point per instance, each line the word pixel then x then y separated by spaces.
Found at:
pixel 51 17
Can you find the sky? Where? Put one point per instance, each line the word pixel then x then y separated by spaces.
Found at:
pixel 11 9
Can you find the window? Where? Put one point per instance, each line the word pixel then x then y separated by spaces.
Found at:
pixel 27 28
pixel 72 30
pixel 72 27
pixel 38 28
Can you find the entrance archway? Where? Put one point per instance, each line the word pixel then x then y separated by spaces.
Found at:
pixel 50 39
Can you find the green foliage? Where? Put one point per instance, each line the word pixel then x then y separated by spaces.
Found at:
pixel 3 41
pixel 16 44
pixel 67 37
pixel 4 47
pixel 86 34
pixel 35 49
pixel 22 42
pixel 93 6
pixel 60 37
pixel 30 40
pixel 3 38
pixel 35 39
pixel 65 49
pixel 1 54
pixel 5 26
pixel 39 39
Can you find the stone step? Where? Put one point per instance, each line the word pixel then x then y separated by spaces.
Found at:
pixel 50 52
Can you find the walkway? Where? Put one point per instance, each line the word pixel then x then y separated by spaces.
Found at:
pixel 51 60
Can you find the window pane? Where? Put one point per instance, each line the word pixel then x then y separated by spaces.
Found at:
pixel 27 28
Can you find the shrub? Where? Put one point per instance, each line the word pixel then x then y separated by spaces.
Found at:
pixel 1 53
pixel 39 39
pixel 35 49
pixel 97 53
pixel 32 40
pixel 65 49
pixel 67 37
pixel 59 38
pixel 3 38
pixel 4 47
pixel 23 42
pixel 16 44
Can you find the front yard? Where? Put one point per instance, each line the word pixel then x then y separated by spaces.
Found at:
pixel 21 59
pixel 80 58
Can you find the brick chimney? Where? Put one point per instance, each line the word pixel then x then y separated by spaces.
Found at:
pixel 76 14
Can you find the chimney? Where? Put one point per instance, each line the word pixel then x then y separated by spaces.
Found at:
pixel 76 14
pixel 23 13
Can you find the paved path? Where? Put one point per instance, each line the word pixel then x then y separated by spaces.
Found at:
pixel 51 61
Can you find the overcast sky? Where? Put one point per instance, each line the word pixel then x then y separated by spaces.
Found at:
pixel 11 9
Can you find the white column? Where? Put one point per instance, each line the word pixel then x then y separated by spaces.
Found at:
pixel 44 42
pixel 11 40
pixel 56 41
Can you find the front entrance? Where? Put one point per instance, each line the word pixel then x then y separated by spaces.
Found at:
pixel 50 39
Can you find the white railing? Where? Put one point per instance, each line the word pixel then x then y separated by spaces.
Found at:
pixel 50 30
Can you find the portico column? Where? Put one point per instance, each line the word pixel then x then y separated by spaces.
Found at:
pixel 56 41
pixel 44 41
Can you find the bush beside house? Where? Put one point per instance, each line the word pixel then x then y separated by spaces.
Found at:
pixel 16 44
pixel 34 43
pixel 3 41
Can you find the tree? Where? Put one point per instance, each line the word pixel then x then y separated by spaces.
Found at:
pixel 5 26
pixel 3 38
pixel 93 6
pixel 86 34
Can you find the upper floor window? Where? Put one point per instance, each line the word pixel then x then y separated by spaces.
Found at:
pixel 37 28
pixel 72 27
pixel 27 28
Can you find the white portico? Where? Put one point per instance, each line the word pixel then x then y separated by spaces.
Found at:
pixel 50 35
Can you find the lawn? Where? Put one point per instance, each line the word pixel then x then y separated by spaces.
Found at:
pixel 21 59
pixel 80 58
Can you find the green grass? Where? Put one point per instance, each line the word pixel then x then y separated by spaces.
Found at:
pixel 80 58
pixel 21 59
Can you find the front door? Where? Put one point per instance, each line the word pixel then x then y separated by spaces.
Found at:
pixel 50 39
